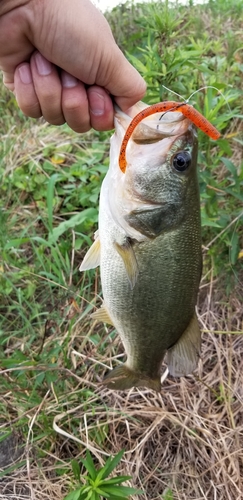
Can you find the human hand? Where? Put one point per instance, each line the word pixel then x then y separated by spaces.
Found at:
pixel 61 61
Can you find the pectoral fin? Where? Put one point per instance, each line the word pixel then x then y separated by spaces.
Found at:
pixel 102 315
pixel 128 256
pixel 92 257
pixel 183 357
pixel 122 378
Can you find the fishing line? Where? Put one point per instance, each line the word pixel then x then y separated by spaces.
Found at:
pixel 195 92
pixel 172 109
pixel 186 101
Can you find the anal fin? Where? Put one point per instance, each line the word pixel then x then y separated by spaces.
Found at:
pixel 183 357
pixel 102 315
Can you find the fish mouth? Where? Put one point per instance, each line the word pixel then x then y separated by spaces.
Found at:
pixel 162 121
pixel 155 127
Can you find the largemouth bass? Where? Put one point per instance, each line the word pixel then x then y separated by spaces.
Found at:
pixel 148 246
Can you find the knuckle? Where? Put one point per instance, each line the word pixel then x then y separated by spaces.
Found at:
pixel 71 105
pixel 54 120
pixel 78 127
pixel 31 110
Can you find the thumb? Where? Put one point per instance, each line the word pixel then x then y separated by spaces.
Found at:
pixel 123 81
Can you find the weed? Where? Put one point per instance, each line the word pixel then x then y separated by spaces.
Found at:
pixel 98 485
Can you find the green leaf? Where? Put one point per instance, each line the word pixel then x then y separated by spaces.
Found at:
pixel 209 222
pixel 49 199
pixel 118 498
pixel 74 495
pixel 11 468
pixel 110 465
pixel 120 491
pixel 230 166
pixel 16 243
pixel 116 480
pixel 138 64
pixel 101 492
pixel 235 248
pixel 89 496
pixel 168 495
pixel 75 469
pixel 94 496
pixel 89 465
pixel 76 220
pixel 83 496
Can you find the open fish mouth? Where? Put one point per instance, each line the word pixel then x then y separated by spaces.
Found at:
pixel 163 108
pixel 154 127
pixel 159 127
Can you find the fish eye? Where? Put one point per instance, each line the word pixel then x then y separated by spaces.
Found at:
pixel 182 161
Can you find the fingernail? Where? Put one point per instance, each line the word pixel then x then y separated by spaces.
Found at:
pixel 68 80
pixel 44 67
pixel 25 74
pixel 98 104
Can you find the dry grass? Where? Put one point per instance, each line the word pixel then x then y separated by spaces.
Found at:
pixel 189 439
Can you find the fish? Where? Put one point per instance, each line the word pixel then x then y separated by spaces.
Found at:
pixel 148 247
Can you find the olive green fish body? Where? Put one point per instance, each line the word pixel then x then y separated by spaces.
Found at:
pixel 149 247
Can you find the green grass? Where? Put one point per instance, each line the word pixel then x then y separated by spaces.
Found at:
pixel 51 356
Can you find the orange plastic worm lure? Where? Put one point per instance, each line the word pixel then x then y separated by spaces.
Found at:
pixel 162 107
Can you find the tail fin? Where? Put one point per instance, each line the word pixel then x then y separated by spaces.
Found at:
pixel 122 378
